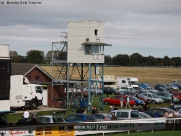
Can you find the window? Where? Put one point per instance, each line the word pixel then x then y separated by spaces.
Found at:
pixel 123 81
pixel 94 49
pixel 89 117
pixel 79 118
pixel 96 32
pixel 39 89
pixel 71 118
pixel 122 114
pixel 45 120
pixel 37 77
pixel 134 114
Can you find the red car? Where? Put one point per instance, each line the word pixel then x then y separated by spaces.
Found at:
pixel 177 95
pixel 115 100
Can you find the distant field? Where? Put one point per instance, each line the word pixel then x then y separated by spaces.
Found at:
pixel 144 74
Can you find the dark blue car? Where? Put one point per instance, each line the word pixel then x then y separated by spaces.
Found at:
pixel 80 118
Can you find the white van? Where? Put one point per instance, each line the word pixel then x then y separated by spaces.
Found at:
pixel 127 82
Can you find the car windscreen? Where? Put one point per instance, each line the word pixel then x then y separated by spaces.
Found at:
pixel 134 114
pixel 144 115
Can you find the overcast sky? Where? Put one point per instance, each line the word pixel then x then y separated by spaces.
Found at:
pixel 147 27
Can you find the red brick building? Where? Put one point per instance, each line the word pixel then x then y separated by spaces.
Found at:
pixel 37 75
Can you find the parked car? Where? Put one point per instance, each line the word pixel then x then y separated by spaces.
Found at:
pixel 115 100
pixel 177 95
pixel 154 98
pixel 80 118
pixel 101 116
pixel 166 97
pixel 56 117
pixel 150 89
pixel 160 111
pixel 125 114
pixel 161 88
pixel 93 90
pixel 144 115
pixel 143 85
pixel 137 101
pixel 143 97
pixel 172 87
pixel 178 85
pixel 111 90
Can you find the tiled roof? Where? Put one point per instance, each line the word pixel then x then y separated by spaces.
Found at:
pixel 25 68
pixel 21 68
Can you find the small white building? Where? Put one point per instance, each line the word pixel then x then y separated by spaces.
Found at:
pixel 86 42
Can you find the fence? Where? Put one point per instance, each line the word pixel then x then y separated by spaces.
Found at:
pixel 73 129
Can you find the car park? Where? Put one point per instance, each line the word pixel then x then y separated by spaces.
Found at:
pixel 178 84
pixel 101 116
pixel 166 97
pixel 143 85
pixel 111 90
pixel 80 118
pixel 115 100
pixel 177 95
pixel 160 111
pixel 56 117
pixel 143 97
pixel 150 89
pixel 162 88
pixel 93 90
pixel 137 101
pixel 154 98
pixel 127 92
pixel 125 114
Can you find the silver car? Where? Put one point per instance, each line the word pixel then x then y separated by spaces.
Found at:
pixel 56 117
pixel 144 115
pixel 154 98
pixel 125 114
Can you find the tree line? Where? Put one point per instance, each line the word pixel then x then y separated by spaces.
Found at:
pixel 136 59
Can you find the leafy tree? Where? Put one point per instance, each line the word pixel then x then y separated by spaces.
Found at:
pixel 136 59
pixel 108 60
pixel 35 56
pixel 14 56
pixel 22 59
pixel 166 61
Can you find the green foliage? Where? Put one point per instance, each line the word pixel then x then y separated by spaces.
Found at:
pixel 34 57
pixel 138 60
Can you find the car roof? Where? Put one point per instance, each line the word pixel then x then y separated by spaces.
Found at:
pixel 178 106
pixel 47 116
pixel 127 110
